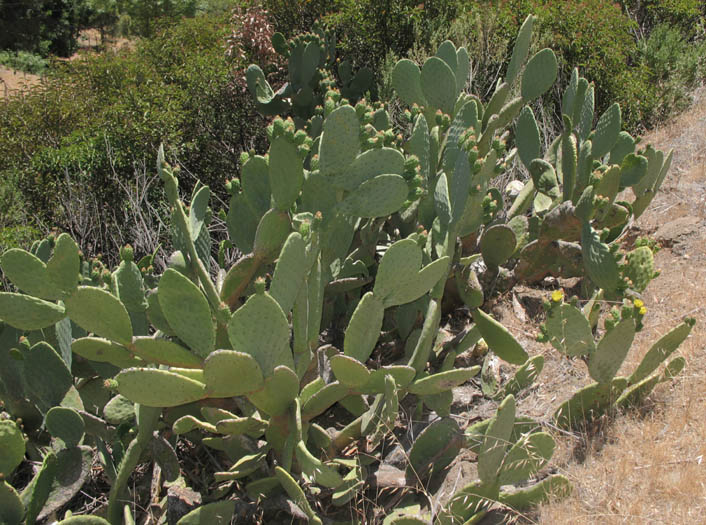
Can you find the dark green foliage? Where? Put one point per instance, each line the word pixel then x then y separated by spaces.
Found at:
pixel 40 26
pixel 97 123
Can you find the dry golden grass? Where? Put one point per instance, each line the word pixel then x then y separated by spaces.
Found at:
pixel 649 467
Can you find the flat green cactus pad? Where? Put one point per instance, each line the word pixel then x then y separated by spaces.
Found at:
pixel 640 268
pixel 377 197
pixel 611 351
pixel 290 272
pixel 406 79
pixel 520 50
pixel 569 331
pixel 164 352
pixel 349 371
pixel 539 75
pixel 29 274
pixel 313 467
pixel 588 403
pixel 278 392
pixel 260 328
pixel 528 139
pixel 218 513
pixel 661 349
pixel 434 449
pixel 63 266
pixel 556 486
pixel 340 142
pixel 468 501
pixel 187 311
pixel 368 165
pixel 497 438
pixel 399 279
pixel 599 262
pixel 442 381
pixel 403 376
pixel 104 351
pixel 497 244
pixel 101 313
pixel 158 388
pixel 272 230
pixel 499 339
pixel 286 172
pixel 295 492
pixel 607 131
pixel 13 447
pixel 119 410
pixel 526 457
pixel 46 376
pixel 258 85
pixel 229 373
pixel 11 509
pixel 364 328
pixel 65 424
pixel 28 313
pixel 632 170
pixel 438 84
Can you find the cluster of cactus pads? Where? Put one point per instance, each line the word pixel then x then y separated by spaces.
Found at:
pixel 352 230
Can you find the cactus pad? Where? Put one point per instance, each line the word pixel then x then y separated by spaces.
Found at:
pixel 158 388
pixel 434 449
pixel 499 339
pixel 611 351
pixel 539 74
pixel 13 447
pixel 286 172
pixel 260 328
pixel 104 351
pixel 496 441
pixel 186 309
pixel 442 381
pixel 497 244
pixel 28 313
pixel 438 84
pixel 660 350
pixel 65 424
pixel 340 141
pixel 377 197
pixel 229 373
pixel 569 331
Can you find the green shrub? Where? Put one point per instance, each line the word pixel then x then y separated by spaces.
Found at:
pixel 24 61
pixel 675 66
pixel 95 119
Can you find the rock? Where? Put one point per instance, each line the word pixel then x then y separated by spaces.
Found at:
pixel 678 230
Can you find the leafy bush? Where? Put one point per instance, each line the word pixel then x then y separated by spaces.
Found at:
pixel 95 121
pixel 675 67
pixel 24 61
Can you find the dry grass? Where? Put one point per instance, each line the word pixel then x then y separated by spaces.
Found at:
pixel 650 466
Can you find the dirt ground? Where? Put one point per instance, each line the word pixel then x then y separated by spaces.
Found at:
pixel 13 82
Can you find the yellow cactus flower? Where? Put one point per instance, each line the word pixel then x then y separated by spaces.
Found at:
pixel 638 303
pixel 643 310
pixel 557 295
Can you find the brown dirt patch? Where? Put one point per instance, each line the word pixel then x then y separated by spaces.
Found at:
pixel 13 82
